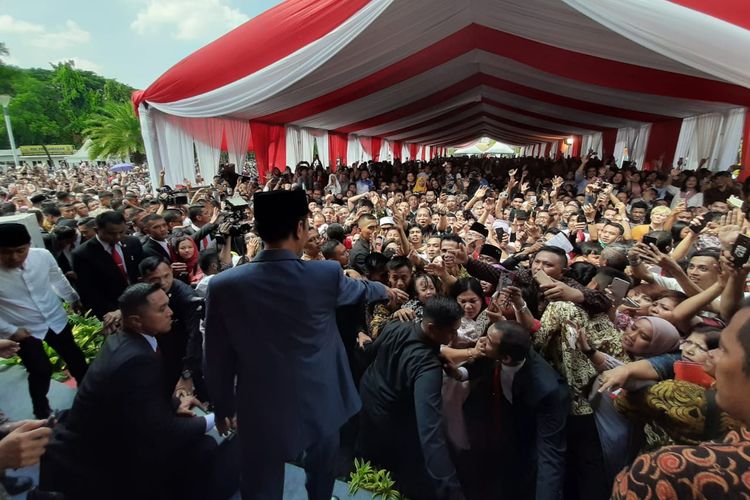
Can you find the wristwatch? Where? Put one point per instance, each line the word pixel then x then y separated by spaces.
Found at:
pixel 186 375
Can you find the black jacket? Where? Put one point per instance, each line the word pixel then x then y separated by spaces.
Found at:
pixel 100 282
pixel 153 249
pixel 536 419
pixel 121 424
pixel 360 250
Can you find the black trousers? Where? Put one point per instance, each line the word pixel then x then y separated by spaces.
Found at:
pixel 585 476
pixel 39 368
pixel 263 478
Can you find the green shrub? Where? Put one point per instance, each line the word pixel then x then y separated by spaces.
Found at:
pixel 87 332
pixel 376 481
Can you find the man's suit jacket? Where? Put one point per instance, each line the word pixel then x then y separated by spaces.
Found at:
pixel 153 249
pixel 538 415
pixel 100 282
pixel 272 324
pixel 206 230
pixel 121 425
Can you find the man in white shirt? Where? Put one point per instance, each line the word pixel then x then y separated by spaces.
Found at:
pixel 31 286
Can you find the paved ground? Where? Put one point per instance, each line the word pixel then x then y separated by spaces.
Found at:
pixel 15 402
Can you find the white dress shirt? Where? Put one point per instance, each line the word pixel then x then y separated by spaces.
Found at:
pixel 108 248
pixel 210 417
pixel 507 374
pixel 30 296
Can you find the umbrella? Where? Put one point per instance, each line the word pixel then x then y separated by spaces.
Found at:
pixel 122 167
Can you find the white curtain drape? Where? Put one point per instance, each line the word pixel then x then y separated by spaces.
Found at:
pixel 175 150
pixel 592 141
pixel 385 151
pixel 150 143
pixel 641 143
pixel 634 140
pixel 293 147
pixel 705 139
pixel 687 130
pixel 555 150
pixel 206 134
pixel 405 153
pixel 311 137
pixel 238 134
pixel 354 151
pixel 731 136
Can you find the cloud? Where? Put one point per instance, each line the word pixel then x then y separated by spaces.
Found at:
pixel 188 19
pixel 81 63
pixel 39 36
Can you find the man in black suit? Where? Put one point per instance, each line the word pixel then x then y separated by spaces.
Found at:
pixel 105 265
pixel 202 225
pixel 123 438
pixel 368 224
pixel 523 403
pixel 182 349
pixel 401 419
pixel 157 231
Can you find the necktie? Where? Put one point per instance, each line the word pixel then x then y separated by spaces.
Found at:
pixel 120 264
pixel 204 243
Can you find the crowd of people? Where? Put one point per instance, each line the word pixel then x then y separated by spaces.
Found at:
pixel 481 327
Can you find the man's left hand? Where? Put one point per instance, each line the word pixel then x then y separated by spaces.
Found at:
pixel 562 292
pixel 186 403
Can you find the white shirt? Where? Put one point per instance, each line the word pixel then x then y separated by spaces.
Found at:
pixel 108 248
pixel 210 417
pixel 30 296
pixel 164 245
pixel 507 374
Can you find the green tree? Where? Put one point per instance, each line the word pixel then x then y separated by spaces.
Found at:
pixel 116 132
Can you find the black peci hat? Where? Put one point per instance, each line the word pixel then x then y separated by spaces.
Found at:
pixel 13 234
pixel 479 228
pixel 491 251
pixel 280 206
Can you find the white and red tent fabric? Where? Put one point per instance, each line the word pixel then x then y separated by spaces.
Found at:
pixel 375 79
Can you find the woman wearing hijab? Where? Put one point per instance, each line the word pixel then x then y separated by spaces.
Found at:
pixel 646 337
pixel 185 250
pixel 333 187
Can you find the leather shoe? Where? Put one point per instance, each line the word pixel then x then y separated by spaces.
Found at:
pixel 15 485
pixel 37 494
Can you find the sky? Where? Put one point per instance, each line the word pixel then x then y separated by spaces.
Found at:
pixel 133 41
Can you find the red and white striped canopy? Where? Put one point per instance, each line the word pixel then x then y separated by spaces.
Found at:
pixel 439 72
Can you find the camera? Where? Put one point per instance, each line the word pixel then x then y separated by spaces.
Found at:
pixel 236 215
pixel 169 196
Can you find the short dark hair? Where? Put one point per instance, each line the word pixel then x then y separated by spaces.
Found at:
pixel 397 262
pixel 557 251
pixel 711 333
pixel 582 272
pixel 714 253
pixel 87 221
pixel 589 248
pixel 172 216
pixel 639 204
pixel 516 341
pixel 206 259
pixel 663 239
pixel 619 227
pixel 335 231
pixel 328 249
pixel 442 311
pixel 375 261
pixel 51 211
pixel 135 297
pixel 151 218
pixel 61 195
pixel 451 237
pixel 149 265
pixel 616 256
pixel 109 217
pixel 195 211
